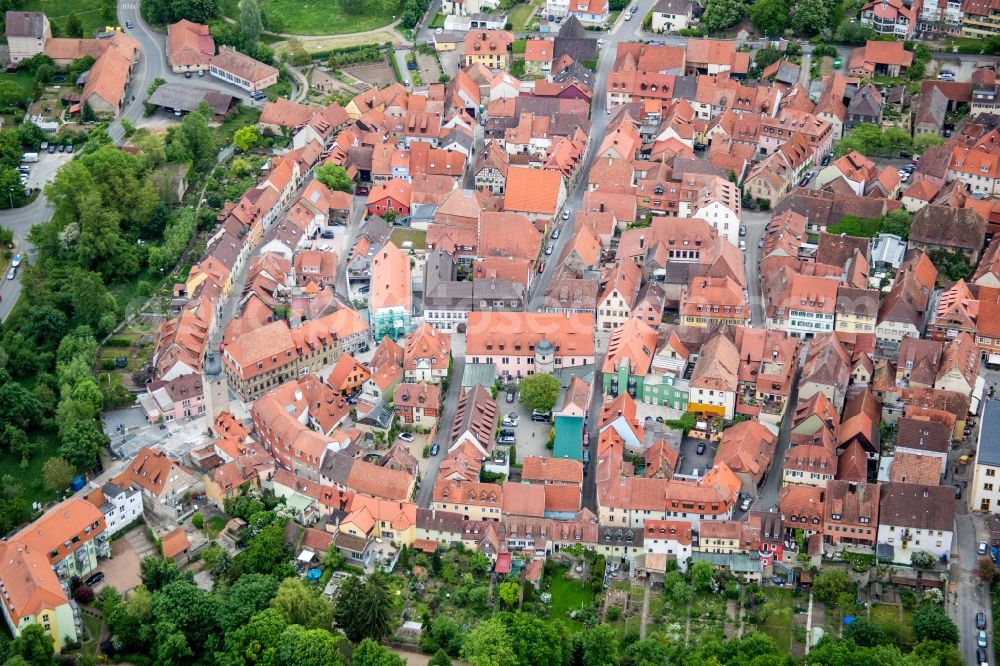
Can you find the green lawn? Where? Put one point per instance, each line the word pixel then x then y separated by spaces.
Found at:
pixel 23 79
pixel 887 616
pixel 568 595
pixel 437 21
pixel 324 17
pixel 415 236
pixel 88 11
pixel 779 625
pixel 521 13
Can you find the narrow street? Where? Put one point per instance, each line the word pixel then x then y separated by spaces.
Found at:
pixel 968 594
pixel 441 436
pixel 621 32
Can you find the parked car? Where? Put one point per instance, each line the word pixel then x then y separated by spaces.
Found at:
pixel 565 215
pixel 555 233
pixel 701 448
pixel 981 656
pixel 760 243
pixel 549 248
pixel 510 395
pixel 52 149
pixel 509 439
pixel 981 639
pixel 94 579
pixel 826 159
pixel 904 154
pixel 16 261
pixel 406 436
pixel 364 290
pixel 983 546
pixel 509 423
pixel 746 504
pixel 541 417
pixel 69 148
pixel 187 75
pixel 361 191
pixel 980 620
pixel 434 450
pixel 628 17
pixel 743 230
pixel 11 274
pixel 541 267
pixel 586 457
pixel 958 492
pixel 506 433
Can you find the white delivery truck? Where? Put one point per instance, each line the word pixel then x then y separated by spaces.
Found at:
pixel 29 157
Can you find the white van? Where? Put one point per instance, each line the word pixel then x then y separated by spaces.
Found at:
pixel 29 157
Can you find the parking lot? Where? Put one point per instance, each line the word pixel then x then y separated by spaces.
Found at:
pixel 44 170
pixel 122 570
pixel 693 463
pixel 530 436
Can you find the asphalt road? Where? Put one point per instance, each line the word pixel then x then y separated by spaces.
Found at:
pixel 442 435
pixel 969 595
pixel 622 31
pixel 20 221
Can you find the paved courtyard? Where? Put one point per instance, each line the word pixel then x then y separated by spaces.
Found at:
pixel 122 570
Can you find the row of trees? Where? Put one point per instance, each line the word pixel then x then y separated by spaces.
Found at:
pixel 874 141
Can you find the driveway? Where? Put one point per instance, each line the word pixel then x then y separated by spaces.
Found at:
pixel 127 552
pixel 44 170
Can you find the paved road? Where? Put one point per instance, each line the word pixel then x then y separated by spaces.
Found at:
pixel 20 221
pixel 442 435
pixel 622 31
pixel 756 223
pixel 970 596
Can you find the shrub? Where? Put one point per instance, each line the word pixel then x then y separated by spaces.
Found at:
pixel 198 520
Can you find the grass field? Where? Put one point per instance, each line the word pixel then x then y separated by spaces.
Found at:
pixel 324 17
pixel 23 79
pixel 88 11
pixel 521 13
pixel 415 236
pixel 568 595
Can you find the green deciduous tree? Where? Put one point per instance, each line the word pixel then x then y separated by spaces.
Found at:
pixel 247 136
pixel 600 646
pixel 81 443
pixel 334 176
pixel 931 623
pixel 829 585
pixel 539 391
pixel 489 645
pixel 157 573
pixel 702 575
pixel 12 95
pixel 34 645
pixel 508 593
pixel 370 653
pixel 299 604
pixel 811 16
pixel 769 16
pixel 249 595
pixel 722 14
pixel 864 632
pixel 57 474
pixel 310 647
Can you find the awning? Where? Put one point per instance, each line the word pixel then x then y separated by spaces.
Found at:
pixel 306 556
pixel 994 359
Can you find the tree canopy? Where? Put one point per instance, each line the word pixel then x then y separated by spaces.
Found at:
pixel 539 391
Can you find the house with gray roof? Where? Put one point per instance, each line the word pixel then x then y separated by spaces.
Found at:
pixel 984 489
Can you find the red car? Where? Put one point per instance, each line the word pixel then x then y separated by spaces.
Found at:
pixel 541 267
pixel 361 191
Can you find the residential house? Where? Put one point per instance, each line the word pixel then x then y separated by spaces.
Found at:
pixel 620 291
pixel 475 422
pixel 32 592
pixel 879 59
pixel 417 404
pixel 671 15
pixel 491 48
pixel 427 355
pixel 27 34
pixel 190 47
pixel 851 515
pixel 121 506
pixel 715 381
pixel 162 480
pixel 747 448
pixel 242 70
pixel 891 17
pixel 914 517
pixel 938 227
pixel 390 303
pixel 72 535
pixel 522 343
pixel 865 107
